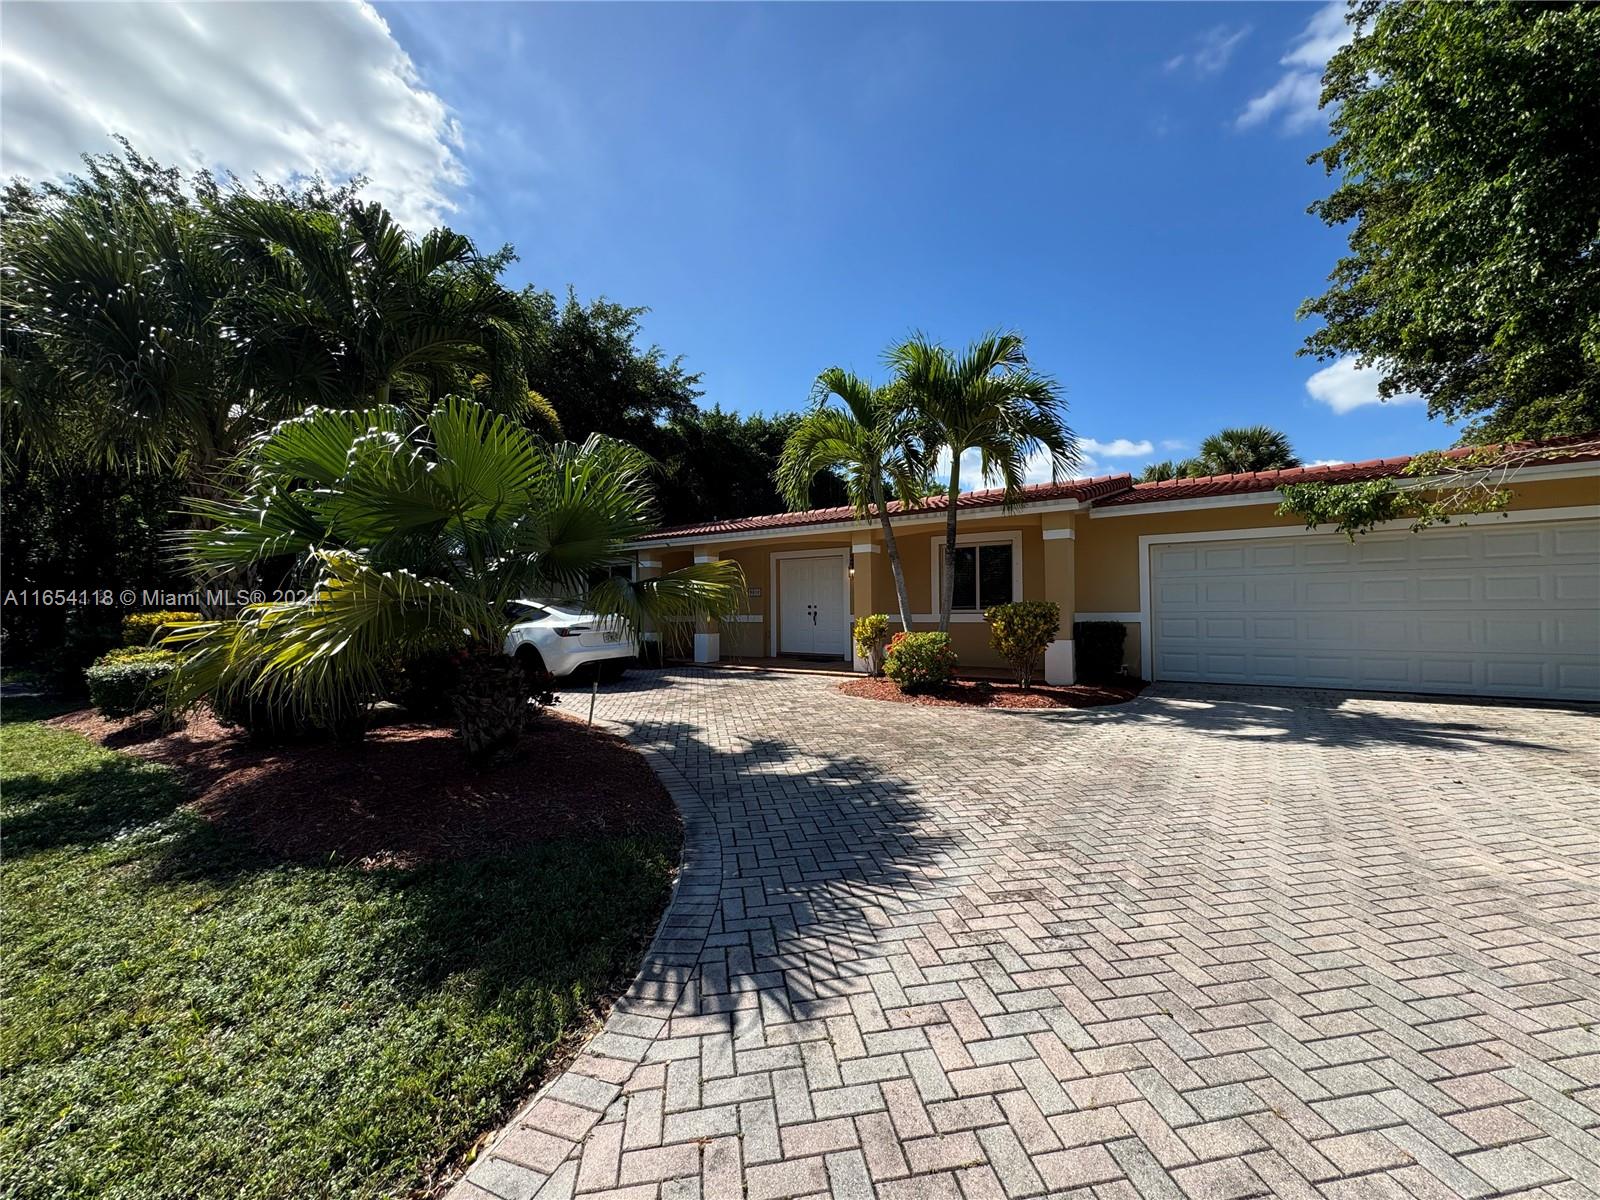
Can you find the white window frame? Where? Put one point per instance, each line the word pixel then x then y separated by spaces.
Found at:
pixel 997 538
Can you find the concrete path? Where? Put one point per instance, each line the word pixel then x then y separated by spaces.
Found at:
pixel 1213 943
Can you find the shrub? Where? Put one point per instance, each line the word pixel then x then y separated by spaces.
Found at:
pixel 1020 631
pixel 920 662
pixel 1097 646
pixel 871 632
pixel 130 680
pixel 141 629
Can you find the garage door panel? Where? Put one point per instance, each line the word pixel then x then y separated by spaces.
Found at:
pixel 1503 610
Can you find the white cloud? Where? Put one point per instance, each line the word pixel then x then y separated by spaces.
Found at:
pixel 1115 448
pixel 280 91
pixel 1213 49
pixel 1293 99
pixel 1326 462
pixel 1344 387
pixel 1174 444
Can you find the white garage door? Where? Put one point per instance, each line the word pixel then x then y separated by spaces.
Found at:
pixel 1497 609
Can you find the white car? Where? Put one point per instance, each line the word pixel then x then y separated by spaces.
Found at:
pixel 561 639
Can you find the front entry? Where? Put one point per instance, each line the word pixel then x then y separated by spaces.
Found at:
pixel 812 608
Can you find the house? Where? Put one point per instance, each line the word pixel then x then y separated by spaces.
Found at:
pixel 1211 582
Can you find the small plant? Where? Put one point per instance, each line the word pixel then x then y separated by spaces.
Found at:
pixel 1020 631
pixel 130 680
pixel 920 662
pixel 142 629
pixel 1098 648
pixel 871 633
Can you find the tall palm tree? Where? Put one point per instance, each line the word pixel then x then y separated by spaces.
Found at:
pixel 1167 469
pixel 988 399
pixel 405 541
pixel 872 438
pixel 1248 448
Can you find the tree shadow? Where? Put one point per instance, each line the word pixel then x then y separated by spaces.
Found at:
pixel 112 798
pixel 1314 717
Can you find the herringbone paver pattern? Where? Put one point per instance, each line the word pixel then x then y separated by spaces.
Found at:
pixel 1211 944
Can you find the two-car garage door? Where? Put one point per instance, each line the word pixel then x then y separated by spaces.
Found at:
pixel 1494 608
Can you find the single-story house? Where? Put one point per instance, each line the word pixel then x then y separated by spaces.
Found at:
pixel 1211 582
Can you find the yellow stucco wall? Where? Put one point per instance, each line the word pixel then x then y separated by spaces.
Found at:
pixel 1104 562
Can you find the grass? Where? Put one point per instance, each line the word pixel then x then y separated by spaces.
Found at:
pixel 182 1017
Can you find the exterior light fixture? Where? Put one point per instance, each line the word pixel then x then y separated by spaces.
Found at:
pixel 852 562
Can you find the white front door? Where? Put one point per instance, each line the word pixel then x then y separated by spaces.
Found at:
pixel 812 610
pixel 1493 609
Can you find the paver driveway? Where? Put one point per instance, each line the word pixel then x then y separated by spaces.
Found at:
pixel 1212 943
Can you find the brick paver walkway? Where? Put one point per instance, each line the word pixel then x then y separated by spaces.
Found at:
pixel 1214 943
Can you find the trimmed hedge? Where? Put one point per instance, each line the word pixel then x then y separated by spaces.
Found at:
pixel 141 629
pixel 870 633
pixel 1097 646
pixel 1020 631
pixel 130 680
pixel 920 662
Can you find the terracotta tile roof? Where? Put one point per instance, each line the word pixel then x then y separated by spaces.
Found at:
pixel 1083 490
pixel 1266 481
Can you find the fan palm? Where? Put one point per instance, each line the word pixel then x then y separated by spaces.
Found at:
pixel 410 541
pixel 1167 469
pixel 1249 448
pixel 872 438
pixel 988 399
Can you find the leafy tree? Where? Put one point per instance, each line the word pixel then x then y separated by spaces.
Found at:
pixel 1467 137
pixel 414 540
pixel 870 439
pixel 1168 469
pixel 722 464
pixel 988 399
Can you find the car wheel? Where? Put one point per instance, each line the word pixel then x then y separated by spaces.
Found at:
pixel 532 664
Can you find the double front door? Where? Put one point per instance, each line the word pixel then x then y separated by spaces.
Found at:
pixel 813 607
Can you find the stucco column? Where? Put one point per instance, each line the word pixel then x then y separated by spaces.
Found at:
pixel 648 566
pixel 707 638
pixel 866 556
pixel 1060 585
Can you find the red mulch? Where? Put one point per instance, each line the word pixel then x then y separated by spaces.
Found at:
pixel 405 796
pixel 984 693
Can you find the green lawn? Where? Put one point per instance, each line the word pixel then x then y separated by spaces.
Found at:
pixel 184 1018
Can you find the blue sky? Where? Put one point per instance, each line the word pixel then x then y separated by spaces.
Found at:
pixel 790 187
pixel 794 187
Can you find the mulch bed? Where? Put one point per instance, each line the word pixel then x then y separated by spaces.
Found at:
pixel 984 693
pixel 404 797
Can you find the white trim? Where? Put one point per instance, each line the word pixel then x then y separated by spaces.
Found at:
pixel 1059 667
pixel 1147 640
pixel 1574 470
pixel 744 618
pixel 863 526
pixel 1051 535
pixel 774 599
pixel 706 558
pixel 936 561
pixel 1127 618
pixel 863 548
pixel 1233 500
pixel 962 616
pixel 649 563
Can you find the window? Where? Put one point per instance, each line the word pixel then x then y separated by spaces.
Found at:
pixel 983 575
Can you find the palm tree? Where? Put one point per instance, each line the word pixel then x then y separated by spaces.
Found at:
pixel 1167 469
pixel 411 541
pixel 1245 449
pixel 347 307
pixel 989 400
pixel 871 438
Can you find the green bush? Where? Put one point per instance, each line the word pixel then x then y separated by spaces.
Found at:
pixel 1020 631
pixel 141 629
pixel 130 680
pixel 920 662
pixel 871 632
pixel 1097 646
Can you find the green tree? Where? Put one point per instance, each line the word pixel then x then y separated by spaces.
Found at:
pixel 1166 469
pixel 1467 141
pixel 722 464
pixel 1248 448
pixel 988 399
pixel 409 541
pixel 871 439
